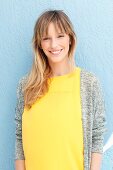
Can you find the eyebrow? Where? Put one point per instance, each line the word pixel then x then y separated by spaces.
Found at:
pixel 57 33
pixel 61 32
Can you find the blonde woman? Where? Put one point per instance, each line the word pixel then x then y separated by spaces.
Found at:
pixel 60 108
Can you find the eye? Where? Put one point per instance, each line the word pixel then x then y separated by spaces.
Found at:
pixel 46 38
pixel 60 36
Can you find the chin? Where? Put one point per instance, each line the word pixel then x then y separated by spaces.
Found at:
pixel 56 60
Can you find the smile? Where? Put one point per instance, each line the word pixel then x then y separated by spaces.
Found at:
pixel 56 52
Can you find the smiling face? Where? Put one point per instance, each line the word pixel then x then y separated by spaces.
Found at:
pixel 55 45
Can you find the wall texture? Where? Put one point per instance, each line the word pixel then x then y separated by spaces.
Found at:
pixel 93 22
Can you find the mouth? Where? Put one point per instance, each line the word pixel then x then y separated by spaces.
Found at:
pixel 56 52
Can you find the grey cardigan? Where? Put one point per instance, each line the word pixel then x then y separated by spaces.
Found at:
pixel 93 116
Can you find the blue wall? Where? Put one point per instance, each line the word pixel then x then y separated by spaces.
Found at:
pixel 93 22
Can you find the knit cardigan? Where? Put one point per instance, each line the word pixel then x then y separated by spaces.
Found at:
pixel 93 116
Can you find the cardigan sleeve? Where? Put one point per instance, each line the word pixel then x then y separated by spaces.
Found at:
pixel 99 117
pixel 19 153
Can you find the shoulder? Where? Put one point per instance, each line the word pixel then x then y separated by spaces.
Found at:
pixel 22 81
pixel 90 83
pixel 88 77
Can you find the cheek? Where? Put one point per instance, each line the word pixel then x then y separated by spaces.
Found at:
pixel 44 45
pixel 65 42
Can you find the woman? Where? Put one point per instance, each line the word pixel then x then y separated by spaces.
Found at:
pixel 60 107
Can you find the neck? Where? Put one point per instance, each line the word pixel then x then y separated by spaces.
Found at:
pixel 62 69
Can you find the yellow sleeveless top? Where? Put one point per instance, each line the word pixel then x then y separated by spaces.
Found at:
pixel 52 129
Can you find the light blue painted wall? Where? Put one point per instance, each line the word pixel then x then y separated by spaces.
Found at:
pixel 93 22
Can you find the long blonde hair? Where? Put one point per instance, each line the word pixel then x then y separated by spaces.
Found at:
pixel 37 82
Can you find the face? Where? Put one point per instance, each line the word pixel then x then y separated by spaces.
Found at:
pixel 55 45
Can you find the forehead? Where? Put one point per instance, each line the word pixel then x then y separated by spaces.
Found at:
pixel 53 26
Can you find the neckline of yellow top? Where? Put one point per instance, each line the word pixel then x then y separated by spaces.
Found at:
pixel 65 75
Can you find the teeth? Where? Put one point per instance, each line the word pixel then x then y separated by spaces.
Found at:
pixel 56 52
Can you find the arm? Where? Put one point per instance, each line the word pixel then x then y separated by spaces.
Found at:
pixel 19 153
pixel 96 159
pixel 20 165
pixel 98 126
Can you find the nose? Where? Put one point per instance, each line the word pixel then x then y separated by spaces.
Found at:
pixel 53 43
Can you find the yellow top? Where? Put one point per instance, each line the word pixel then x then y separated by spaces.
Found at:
pixel 52 128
